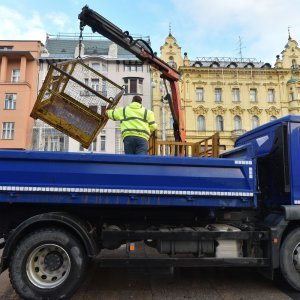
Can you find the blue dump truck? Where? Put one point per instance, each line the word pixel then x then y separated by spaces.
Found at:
pixel 59 210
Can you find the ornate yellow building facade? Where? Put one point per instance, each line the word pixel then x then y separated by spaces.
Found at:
pixel 229 95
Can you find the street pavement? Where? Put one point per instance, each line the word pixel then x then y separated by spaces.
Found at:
pixel 161 284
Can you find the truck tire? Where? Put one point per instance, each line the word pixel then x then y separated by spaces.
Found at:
pixel 49 263
pixel 290 259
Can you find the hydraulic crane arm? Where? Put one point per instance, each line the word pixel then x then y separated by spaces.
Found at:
pixel 142 51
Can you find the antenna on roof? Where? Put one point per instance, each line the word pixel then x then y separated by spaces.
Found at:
pixel 289 32
pixel 170 32
pixel 240 45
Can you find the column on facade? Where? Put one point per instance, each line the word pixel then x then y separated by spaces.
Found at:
pixel 23 69
pixel 3 70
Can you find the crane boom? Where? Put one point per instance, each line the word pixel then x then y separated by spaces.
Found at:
pixel 142 51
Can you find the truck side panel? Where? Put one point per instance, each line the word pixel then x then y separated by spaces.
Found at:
pixel 28 176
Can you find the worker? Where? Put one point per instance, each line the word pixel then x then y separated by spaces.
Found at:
pixel 137 124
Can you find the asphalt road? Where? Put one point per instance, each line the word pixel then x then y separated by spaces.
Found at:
pixel 184 283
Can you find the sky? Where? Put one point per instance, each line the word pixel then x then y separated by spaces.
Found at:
pixel 214 28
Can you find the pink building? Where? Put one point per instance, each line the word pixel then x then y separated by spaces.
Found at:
pixel 18 91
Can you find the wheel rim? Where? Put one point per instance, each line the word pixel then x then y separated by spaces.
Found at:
pixel 296 257
pixel 48 266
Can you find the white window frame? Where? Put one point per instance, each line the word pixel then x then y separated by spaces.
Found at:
pixel 219 123
pixel 133 85
pixel 253 95
pixel 95 84
pixel 96 66
pixel 255 121
pixel 237 123
pixel 15 75
pixel 201 123
pixel 103 142
pixel 271 95
pixel 8 130
pixel 218 95
pixel 10 101
pixel 200 94
pixel 235 95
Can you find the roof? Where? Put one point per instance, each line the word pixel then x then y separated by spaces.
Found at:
pixel 228 62
pixel 64 48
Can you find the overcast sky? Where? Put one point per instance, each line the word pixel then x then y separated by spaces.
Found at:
pixel 202 28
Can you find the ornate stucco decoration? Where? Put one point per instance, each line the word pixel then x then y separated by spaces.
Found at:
pixel 217 83
pixel 253 83
pixel 254 110
pixel 270 84
pixel 234 83
pixel 272 111
pixel 219 110
pixel 237 110
pixel 199 82
pixel 200 110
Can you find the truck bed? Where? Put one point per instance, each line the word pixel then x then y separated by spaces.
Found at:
pixel 110 179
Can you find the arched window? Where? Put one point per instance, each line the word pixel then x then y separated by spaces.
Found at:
pixel 171 62
pixel 201 123
pixel 255 122
pixel 219 123
pixel 237 123
pixel 272 118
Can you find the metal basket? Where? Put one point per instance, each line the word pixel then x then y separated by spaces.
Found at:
pixel 68 98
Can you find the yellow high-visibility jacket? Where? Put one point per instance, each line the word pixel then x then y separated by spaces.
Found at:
pixel 135 120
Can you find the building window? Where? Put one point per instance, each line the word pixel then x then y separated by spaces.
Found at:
pixel 95 84
pixel 133 85
pixel 292 96
pixel 199 94
pixel 93 145
pixel 171 62
pixel 54 143
pixel 271 95
pixel 133 67
pixel 272 118
pixel 10 101
pixel 219 123
pixel 218 94
pixel 102 143
pixel 8 129
pixel 237 123
pixel 253 95
pixel 96 67
pixel 236 95
pixel 93 108
pixel 201 123
pixel 255 122
pixel 15 75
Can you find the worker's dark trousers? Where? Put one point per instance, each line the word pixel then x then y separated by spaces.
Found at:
pixel 135 145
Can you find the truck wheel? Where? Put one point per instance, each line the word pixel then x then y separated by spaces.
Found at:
pixel 290 259
pixel 47 264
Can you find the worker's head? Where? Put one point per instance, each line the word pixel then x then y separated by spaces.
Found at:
pixel 137 99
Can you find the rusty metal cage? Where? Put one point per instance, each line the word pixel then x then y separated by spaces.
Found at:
pixel 69 97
